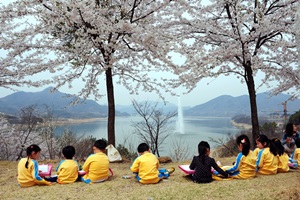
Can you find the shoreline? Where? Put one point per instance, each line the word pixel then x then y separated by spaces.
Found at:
pixel 67 121
pixel 242 126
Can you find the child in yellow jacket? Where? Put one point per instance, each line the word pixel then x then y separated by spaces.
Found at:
pixel 245 164
pixel 146 166
pixel 283 158
pixel 267 161
pixel 96 165
pixel 295 157
pixel 28 168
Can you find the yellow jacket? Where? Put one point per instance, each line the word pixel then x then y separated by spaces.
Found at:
pixel 67 171
pixel 96 167
pixel 266 162
pixel 30 176
pixel 146 166
pixel 244 167
pixel 296 155
pixel 283 162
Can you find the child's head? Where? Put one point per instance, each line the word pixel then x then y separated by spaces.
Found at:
pixel 33 152
pixel 290 128
pixel 143 147
pixel 100 145
pixel 203 148
pixel 277 145
pixel 243 143
pixel 297 142
pixel 68 152
pixel 262 141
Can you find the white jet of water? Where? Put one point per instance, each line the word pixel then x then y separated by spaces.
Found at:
pixel 180 124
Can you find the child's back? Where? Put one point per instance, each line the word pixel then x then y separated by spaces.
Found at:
pixel 283 163
pixel 67 171
pixel 146 166
pixel 202 165
pixel 296 154
pixel 266 162
pixel 96 165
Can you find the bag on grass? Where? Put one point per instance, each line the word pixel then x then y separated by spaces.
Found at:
pixel 113 154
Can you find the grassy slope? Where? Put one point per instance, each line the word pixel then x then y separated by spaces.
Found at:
pixel 280 186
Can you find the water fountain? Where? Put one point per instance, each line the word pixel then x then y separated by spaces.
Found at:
pixel 180 124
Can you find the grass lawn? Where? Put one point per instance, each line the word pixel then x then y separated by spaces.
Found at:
pixel 281 186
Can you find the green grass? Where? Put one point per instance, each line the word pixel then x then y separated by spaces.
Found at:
pixel 280 186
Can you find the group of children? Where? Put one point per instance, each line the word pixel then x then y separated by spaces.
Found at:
pixel 268 158
pixel 95 169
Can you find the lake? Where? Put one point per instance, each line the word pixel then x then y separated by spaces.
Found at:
pixel 196 129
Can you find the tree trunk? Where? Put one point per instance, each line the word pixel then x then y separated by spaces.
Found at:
pixel 253 105
pixel 111 107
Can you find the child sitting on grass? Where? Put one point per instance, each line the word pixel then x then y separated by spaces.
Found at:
pixel 267 162
pixel 96 165
pixel 202 165
pixel 67 170
pixel 146 166
pixel 28 168
pixel 244 166
pixel 295 157
pixel 282 156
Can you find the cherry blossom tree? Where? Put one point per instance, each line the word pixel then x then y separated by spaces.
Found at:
pixel 93 41
pixel 240 37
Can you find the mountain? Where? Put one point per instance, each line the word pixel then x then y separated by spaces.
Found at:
pixel 222 106
pixel 228 106
pixel 59 103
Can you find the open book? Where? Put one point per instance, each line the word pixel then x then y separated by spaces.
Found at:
pixel 45 170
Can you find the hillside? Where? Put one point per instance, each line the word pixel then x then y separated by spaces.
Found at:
pixel 222 106
pixel 59 103
pixel 228 106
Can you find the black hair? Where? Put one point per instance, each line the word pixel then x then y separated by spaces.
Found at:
pixel 143 147
pixel 100 144
pixel 68 152
pixel 32 148
pixel 279 148
pixel 263 139
pixel 202 149
pixel 289 129
pixel 244 140
pixel 297 142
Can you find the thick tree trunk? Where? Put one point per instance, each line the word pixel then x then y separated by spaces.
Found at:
pixel 111 108
pixel 253 105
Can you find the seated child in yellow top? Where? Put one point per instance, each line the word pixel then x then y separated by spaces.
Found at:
pixel 283 158
pixel 295 157
pixel 146 166
pixel 67 170
pixel 245 164
pixel 96 165
pixel 267 162
pixel 28 168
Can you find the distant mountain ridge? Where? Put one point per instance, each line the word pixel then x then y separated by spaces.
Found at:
pixel 228 106
pixel 222 106
pixel 58 102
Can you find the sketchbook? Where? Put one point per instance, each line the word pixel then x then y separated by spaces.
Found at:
pixel 186 169
pixel 45 170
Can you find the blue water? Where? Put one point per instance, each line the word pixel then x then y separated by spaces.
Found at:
pixel 196 129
